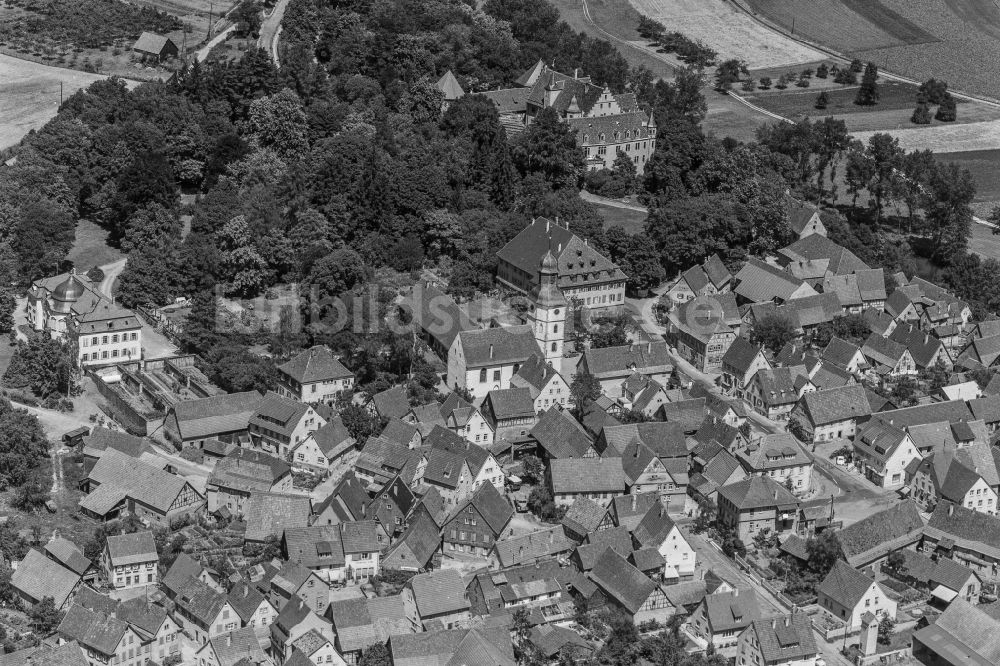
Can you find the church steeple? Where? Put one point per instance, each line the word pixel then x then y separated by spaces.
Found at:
pixel 548 309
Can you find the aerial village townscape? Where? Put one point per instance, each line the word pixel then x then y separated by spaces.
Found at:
pixel 511 332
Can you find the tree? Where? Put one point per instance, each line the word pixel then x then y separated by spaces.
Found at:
pixel 948 212
pixel 765 82
pixel 904 393
pixel 707 511
pixel 43 364
pixel 846 77
pixel 278 122
pixel 44 616
pixel 30 497
pixel 8 303
pixel 360 423
pixel 548 147
pixel 335 274
pixel 822 71
pixel 613 334
pixel 885 157
pixel 585 388
pixel 868 92
pixel 894 563
pixel 824 550
pixel 822 100
pixel 376 655
pixel 242 264
pixel 799 431
pixel 921 114
pixel 948 110
pixel 247 17
pixel 933 91
pixel 728 72
pixel 773 331
pixel 886 627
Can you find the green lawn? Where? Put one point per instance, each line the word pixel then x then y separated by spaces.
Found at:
pixel 90 248
pixel 794 101
pixel 630 220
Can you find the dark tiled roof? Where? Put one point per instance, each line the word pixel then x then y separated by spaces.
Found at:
pixel 314 547
pixel 245 600
pixel 124 476
pixel 201 601
pixel 442 439
pixel 758 492
pixel 959 480
pixel 333 439
pixel 279 413
pixel 68 554
pixel 417 544
pixel 512 403
pixel 731 611
pixel 180 572
pixel 392 403
pixel 845 584
pixel 932 412
pixel 622 581
pixel 740 355
pixel 207 417
pixel 629 509
pixel 899 524
pixel 532 546
pixel 247 469
pixel 666 440
pixel 758 281
pixel 229 648
pixel 786 638
pixel 399 432
pixel 491 506
pixel 773 451
pixel 439 592
pixel 963 634
pixel 837 404
pixel 654 527
pixel 584 515
pixel 94 631
pixel 493 346
pixel 645 358
pixel 815 246
pixel 978 530
pixel 578 475
pixel 560 434
pixel 923 347
pixel 536 373
pixel 269 514
pixel 316 364
pixel 132 548
pixel 39 577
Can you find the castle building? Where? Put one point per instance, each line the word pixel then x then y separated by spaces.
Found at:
pixel 605 122
pixel 71 307
pixel 586 278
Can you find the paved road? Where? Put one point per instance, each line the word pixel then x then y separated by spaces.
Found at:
pixel 271 28
pixel 203 52
pixel 614 203
pixel 111 273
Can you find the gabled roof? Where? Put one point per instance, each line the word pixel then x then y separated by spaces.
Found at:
pixel 959 480
pixel 536 373
pixel 629 509
pixel 454 647
pixel 840 352
pixel 573 255
pixel 491 506
pixel 67 654
pixel 201 601
pixel 773 451
pixel 815 246
pixel 786 638
pixel 666 440
pixel 180 572
pixel 68 554
pixel 333 438
pixel 391 403
pixel 758 281
pixel 579 475
pixel 439 592
pixel 415 547
pixel 316 364
pixel 923 347
pixel 269 514
pixel 758 492
pixel 511 403
pixel 38 577
pixel 837 404
pixel 231 647
pixel 150 42
pixel 584 515
pixel 644 357
pixel 278 413
pixel 532 546
pixel 93 630
pixel 437 313
pixel 207 417
pixel 932 412
pixel 973 530
pixel 845 584
pixel 315 547
pixel 777 385
pixel 124 476
pixel 883 351
pixel 400 432
pixel 560 434
pixel 248 470
pixel 741 355
pixel 622 581
pixel 495 346
pixel 880 532
pixel 964 634
pixel 731 611
pixel 654 528
pixel 134 548
pixel 245 600
pixel 449 86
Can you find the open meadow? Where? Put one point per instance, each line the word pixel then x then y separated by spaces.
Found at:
pixel 29 95
pixel 729 31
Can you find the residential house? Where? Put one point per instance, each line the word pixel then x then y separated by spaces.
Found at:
pixel 183 569
pixel 926 350
pixel 987 410
pixel 944 578
pixel 816 247
pixel 845 355
pixel 757 504
pixel 740 363
pixel 559 435
pixel 888 358
pixel 804 218
pixel 980 352
pixel 643 396
pixel 758 282
pixel 786 640
pixel 323 447
pixel 314 375
pixel 657 531
pixel 37 577
pixel 315 647
pixel 119 483
pixel 510 413
pixel 243 472
pixel 647 472
pixel 721 617
pixel 969 537
pixel 775 392
pixel 381 460
pixel 833 413
pixel 628 590
pixel 362 623
pixel 465 420
pixel 104 638
pixel 130 560
pixel 806 314
pixel 858 291
pixel 204 612
pixel 336 553
pixel 901 307
pixel 583 517
pixel 847 594
pixel 232 648
pixel 391 403
pixel 779 457
pixel 599 479
pixel 477 522
pixel 584 275
pixel 703 332
pixel 611 366
pixel 485 644
pixel 404 434
pixel 485 360
pixel 950 476
pixel 64 654
pixel 418 548
pixel 280 424
pixel 253 607
pixel 224 417
pixel 295 581
pixel 667 440
pixel 628 510
pixel 721 470
pixel 295 620
pixel 884 453
pixel 438 597
pixel 66 553
pixel 709 278
pixel 531 547
pixel 868 542
pixel 546 385
pixel 268 514
pixel 556 643
pixel 960 636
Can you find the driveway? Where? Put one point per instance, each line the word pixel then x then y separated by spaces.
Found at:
pixel 271 28
pixel 111 273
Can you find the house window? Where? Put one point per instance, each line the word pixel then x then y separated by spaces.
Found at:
pixel 482 376
pixel 496 375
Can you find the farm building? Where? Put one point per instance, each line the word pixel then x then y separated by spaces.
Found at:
pixel 157 46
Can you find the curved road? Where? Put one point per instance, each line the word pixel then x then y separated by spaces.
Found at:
pixel 111 273
pixel 271 28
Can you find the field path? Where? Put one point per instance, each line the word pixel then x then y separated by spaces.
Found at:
pixel 29 95
pixel 271 28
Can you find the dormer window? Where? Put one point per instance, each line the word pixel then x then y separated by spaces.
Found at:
pixel 602 136
pixel 586 138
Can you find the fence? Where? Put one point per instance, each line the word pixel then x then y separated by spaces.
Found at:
pixel 900 656
pixel 758 578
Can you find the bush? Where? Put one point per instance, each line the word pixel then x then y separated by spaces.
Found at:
pixel 857 65
pixel 822 71
pixel 948 111
pixel 822 100
pixel 765 82
pixel 803 82
pixel 846 77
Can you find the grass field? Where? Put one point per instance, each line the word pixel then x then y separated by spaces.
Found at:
pixel 985 168
pixel 727 30
pixel 632 221
pixel 795 102
pixel 984 243
pixel 29 95
pixel 970 137
pixel 90 247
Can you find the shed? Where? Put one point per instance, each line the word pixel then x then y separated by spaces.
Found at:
pixel 158 46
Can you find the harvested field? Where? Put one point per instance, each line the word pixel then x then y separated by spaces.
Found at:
pixel 984 136
pixel 985 168
pixel 727 30
pixel 29 95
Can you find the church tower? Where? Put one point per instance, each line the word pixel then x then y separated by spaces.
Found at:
pixel 548 311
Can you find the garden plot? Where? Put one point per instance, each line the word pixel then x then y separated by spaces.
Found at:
pixel 729 31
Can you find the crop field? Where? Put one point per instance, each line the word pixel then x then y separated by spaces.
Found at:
pixel 795 102
pixel 985 168
pixel 729 31
pixel 970 137
pixel 29 95
pixel 954 40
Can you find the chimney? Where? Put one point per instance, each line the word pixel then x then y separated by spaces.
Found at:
pixel 576 73
pixel 491 351
pixel 774 623
pixel 229 639
pixel 951 509
pixel 736 592
pixel 649 347
pixel 560 248
pixel 633 502
pixel 788 620
pixel 547 222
